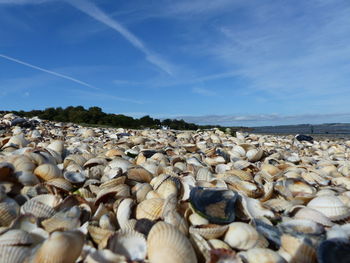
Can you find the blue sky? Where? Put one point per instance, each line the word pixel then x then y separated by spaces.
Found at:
pixel 230 62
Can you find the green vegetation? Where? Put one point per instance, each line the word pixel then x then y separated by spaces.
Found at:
pixel 94 116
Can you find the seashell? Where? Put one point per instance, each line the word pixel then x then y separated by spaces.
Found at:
pixel 14 254
pixel 17 141
pixel 74 177
pixel 333 250
pixel 270 232
pixel 247 188
pixel 113 182
pixel 105 194
pixel 23 163
pixel 57 146
pixel 16 237
pixel 295 249
pixel 47 171
pixel 218 244
pixel 60 247
pixel 130 244
pixel 254 155
pixel 6 169
pixel 261 255
pixel 254 208
pixel 74 158
pixel 215 205
pixel 196 220
pixel 114 152
pixel 63 220
pixel 204 174
pixel 60 183
pixel 120 163
pixel 331 206
pixel 9 210
pixel 40 206
pixel 301 226
pixel 313 215
pixel 104 256
pixel 139 174
pixel 124 212
pixel 98 234
pixel 243 237
pixel 94 162
pixel 150 209
pixel 164 240
pixel 142 191
pixel 209 231
pixel 170 186
pixel 243 175
pixel 270 169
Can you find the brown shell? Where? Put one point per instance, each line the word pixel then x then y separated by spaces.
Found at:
pixel 60 247
pixel 164 240
pixel 47 171
pixel 150 209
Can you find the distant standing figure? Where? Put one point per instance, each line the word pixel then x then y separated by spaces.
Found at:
pixel 302 137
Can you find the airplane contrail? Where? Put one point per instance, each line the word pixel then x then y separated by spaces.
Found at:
pixel 92 10
pixel 48 71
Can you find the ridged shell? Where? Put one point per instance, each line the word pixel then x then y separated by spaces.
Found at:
pixel 63 220
pixel 16 237
pixel 295 250
pixel 150 209
pixel 9 209
pixel 99 234
pixel 243 237
pixel 313 215
pixel 74 177
pixel 331 206
pixel 37 209
pixel 47 171
pixel 14 254
pixel 261 255
pixel 124 211
pixel 164 240
pixel 60 247
pixel 139 174
pixel 130 244
pixel 209 231
pixel 254 155
pixel 60 183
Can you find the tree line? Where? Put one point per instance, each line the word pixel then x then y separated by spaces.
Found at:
pixel 95 116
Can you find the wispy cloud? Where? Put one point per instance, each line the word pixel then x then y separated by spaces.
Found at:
pixel 47 71
pixel 90 95
pixel 204 92
pixel 287 54
pixel 267 119
pixel 92 10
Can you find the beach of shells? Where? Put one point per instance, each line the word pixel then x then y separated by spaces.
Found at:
pixel 77 194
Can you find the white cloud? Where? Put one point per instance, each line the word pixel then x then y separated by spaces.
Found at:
pixel 47 71
pixel 267 119
pixel 204 92
pixel 92 10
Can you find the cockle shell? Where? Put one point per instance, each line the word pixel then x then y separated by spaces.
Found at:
pixel 60 247
pixel 16 237
pixel 9 209
pixel 313 215
pixel 130 244
pixel 209 231
pixel 331 206
pixel 295 250
pixel 164 240
pixel 243 236
pixel 261 255
pixel 139 174
pixel 150 209
pixel 47 171
pixel 14 254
